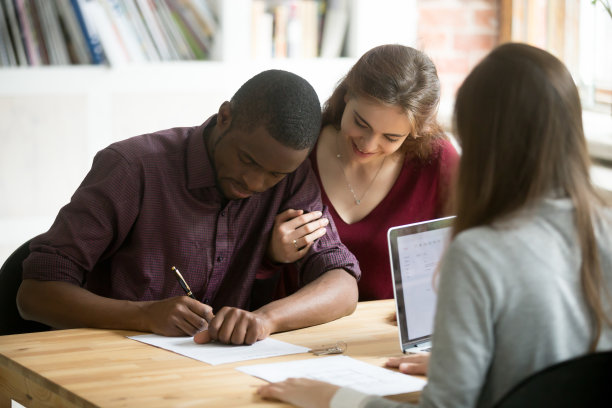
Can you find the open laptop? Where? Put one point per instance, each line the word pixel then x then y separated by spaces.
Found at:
pixel 415 251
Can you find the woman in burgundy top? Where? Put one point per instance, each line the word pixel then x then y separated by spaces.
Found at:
pixel 381 159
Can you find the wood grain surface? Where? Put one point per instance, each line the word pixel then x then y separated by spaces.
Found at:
pixel 103 368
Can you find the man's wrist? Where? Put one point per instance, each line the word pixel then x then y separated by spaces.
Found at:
pixel 137 316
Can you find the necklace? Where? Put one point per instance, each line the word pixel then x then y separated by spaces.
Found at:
pixel 348 184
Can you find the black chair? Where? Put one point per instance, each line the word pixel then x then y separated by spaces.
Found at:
pixel 11 321
pixel 584 381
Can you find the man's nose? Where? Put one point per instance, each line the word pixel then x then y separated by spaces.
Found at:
pixel 255 180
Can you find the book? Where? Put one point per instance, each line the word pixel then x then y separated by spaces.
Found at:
pixel 30 40
pixel 187 23
pixel 124 31
pixel 51 33
pixel 92 39
pixel 177 40
pixel 204 14
pixel 15 32
pixel 114 48
pixel 7 52
pixel 37 34
pixel 156 30
pixel 142 33
pixel 262 31
pixel 281 17
pixel 309 16
pixel 335 25
pixel 75 39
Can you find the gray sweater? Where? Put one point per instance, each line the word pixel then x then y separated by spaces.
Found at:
pixel 510 303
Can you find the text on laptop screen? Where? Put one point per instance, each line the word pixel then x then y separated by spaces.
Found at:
pixel 419 255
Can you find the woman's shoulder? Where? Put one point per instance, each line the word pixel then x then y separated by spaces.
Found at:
pixel 444 151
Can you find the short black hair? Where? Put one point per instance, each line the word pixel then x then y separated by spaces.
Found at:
pixel 285 104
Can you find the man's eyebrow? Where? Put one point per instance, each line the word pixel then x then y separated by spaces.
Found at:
pixel 255 162
pixel 366 122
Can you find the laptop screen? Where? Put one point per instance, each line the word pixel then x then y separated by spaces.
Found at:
pixel 415 251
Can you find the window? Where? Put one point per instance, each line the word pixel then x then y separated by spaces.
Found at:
pixel 579 32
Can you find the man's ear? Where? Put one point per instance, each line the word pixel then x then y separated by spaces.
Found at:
pixel 224 116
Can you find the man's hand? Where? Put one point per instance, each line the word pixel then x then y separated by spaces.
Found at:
pixel 235 326
pixel 177 316
pixel 294 233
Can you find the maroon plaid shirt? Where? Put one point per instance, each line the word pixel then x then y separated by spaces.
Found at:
pixel 149 203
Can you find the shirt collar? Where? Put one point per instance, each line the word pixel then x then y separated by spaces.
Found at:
pixel 200 171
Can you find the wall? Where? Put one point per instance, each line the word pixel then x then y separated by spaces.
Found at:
pixel 456 34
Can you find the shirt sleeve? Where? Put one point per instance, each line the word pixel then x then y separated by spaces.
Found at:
pixel 349 398
pixel 463 335
pixel 327 252
pixel 91 226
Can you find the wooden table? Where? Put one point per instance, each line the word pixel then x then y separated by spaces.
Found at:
pixel 91 367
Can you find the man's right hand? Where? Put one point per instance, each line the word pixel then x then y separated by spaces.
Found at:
pixel 177 316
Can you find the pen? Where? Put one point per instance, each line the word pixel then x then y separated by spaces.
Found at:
pixel 182 282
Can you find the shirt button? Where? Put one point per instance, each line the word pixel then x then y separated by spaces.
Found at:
pixel 219 258
pixel 206 300
pixel 223 213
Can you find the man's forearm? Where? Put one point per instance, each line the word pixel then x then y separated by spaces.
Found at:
pixel 63 305
pixel 329 297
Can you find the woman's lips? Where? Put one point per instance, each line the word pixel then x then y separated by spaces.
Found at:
pixel 359 153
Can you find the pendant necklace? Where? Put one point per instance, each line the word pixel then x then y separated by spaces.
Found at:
pixel 348 184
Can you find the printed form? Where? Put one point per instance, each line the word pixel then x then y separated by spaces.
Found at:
pixel 343 371
pixel 218 353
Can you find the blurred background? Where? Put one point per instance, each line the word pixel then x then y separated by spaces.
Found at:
pixel 77 75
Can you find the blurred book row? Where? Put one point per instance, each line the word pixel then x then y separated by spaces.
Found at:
pixel 116 32
pixel 298 28
pixel 64 32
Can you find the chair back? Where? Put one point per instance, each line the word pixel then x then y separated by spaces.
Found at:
pixel 11 321
pixel 584 381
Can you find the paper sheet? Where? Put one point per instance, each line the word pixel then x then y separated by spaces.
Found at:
pixel 217 353
pixel 339 370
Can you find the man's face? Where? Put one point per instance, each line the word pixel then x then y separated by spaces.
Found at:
pixel 252 161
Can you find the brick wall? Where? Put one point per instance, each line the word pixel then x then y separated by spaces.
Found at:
pixel 456 34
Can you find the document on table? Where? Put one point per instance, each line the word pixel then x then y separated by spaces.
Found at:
pixel 216 353
pixel 339 370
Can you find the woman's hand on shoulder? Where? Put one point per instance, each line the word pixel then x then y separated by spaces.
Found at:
pixel 293 234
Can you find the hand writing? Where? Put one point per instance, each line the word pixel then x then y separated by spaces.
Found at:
pixel 177 316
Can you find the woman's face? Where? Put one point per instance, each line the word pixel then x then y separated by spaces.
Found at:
pixel 370 130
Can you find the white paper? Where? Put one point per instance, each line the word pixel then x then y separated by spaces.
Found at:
pixel 339 370
pixel 216 353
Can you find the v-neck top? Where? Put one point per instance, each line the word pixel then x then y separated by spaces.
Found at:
pixel 420 193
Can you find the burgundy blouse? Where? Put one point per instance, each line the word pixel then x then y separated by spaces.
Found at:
pixel 419 194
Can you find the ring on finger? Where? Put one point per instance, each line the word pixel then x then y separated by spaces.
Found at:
pixel 295 244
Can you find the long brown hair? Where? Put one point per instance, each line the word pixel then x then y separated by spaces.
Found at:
pixel 519 122
pixel 394 75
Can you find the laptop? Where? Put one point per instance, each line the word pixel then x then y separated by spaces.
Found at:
pixel 415 251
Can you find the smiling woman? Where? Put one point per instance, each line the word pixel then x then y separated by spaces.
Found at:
pixel 381 159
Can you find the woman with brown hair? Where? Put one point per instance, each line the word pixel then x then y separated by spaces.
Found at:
pixel 381 159
pixel 526 280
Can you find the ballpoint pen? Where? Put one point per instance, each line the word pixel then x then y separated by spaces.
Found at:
pixel 182 282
